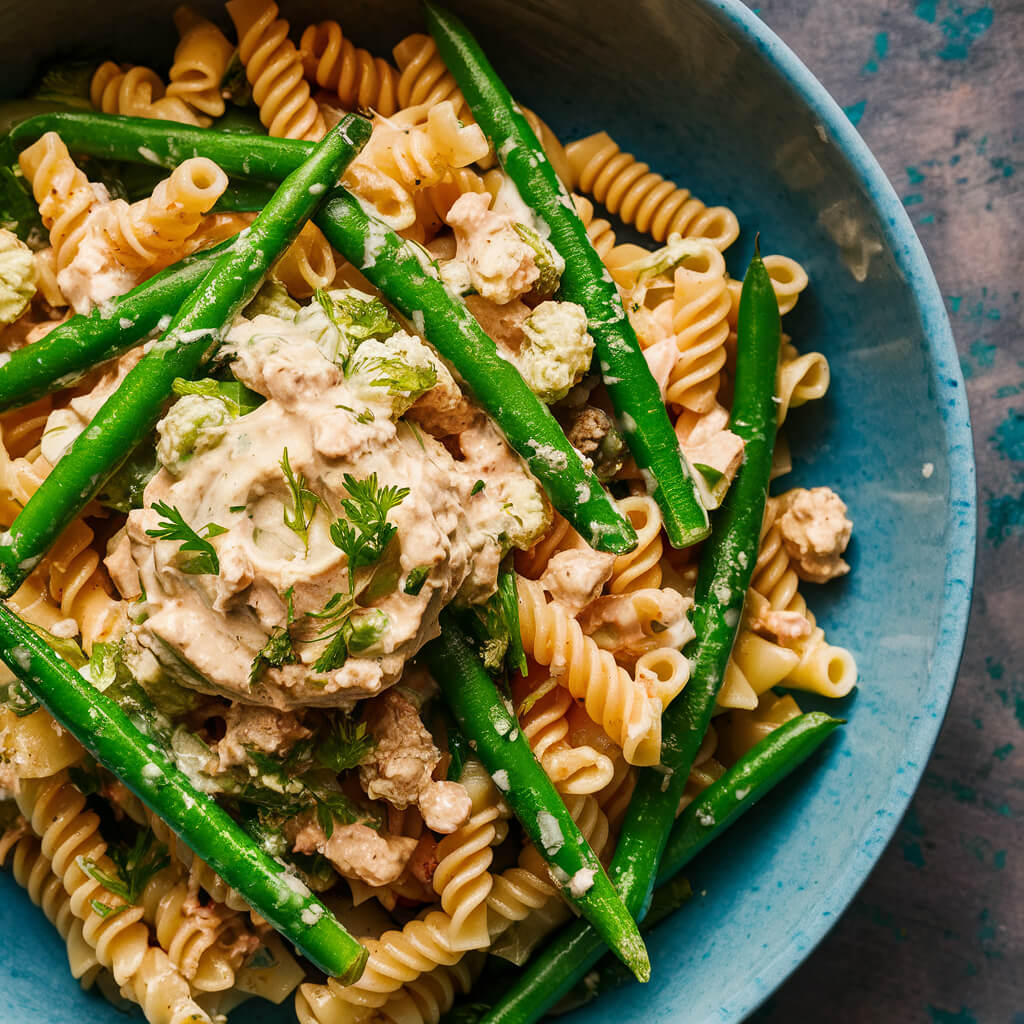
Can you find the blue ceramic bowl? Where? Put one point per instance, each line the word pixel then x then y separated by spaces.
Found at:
pixel 714 100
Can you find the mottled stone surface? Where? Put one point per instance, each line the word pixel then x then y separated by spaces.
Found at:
pixel 936 88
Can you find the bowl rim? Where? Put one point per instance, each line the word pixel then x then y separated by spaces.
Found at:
pixel 961 524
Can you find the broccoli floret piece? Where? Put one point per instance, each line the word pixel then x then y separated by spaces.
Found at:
pixel 557 351
pixel 17 277
pixel 191 426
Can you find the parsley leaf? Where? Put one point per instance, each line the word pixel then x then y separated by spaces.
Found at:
pixel 134 867
pixel 304 502
pixel 398 376
pixel 279 649
pixel 345 746
pixel 353 633
pixel 173 527
pixel 367 532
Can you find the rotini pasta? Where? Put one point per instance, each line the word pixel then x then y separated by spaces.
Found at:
pixel 152 232
pixel 629 188
pixel 599 231
pixel 360 80
pixel 640 569
pixel 138 92
pixel 629 715
pixel 801 378
pixel 201 59
pixel 274 69
pixel 307 264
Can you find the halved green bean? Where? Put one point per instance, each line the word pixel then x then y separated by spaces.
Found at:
pixel 727 562
pixel 100 725
pixel 396 268
pixel 492 728
pixel 631 386
pixel 192 337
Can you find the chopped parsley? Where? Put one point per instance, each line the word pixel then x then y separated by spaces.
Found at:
pixel 172 526
pixel 304 502
pixel 345 746
pixel 360 319
pixel 415 579
pixel 279 649
pixel 134 867
pixel 398 376
pixel 365 532
pixel 478 487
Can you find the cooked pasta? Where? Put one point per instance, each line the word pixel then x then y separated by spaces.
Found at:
pixel 575 769
pixel 138 92
pixel 64 194
pixel 307 264
pixel 201 60
pixel 612 697
pixel 629 188
pixel 274 69
pixel 152 231
pixel 360 80
pixel 341 486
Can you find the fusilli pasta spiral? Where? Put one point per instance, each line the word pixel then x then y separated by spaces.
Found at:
pixel 138 92
pixel 201 59
pixel 307 264
pixel 599 231
pixel 629 188
pixel 630 716
pixel 640 568
pixel 274 69
pixel 361 81
pixel 800 379
pixel 152 232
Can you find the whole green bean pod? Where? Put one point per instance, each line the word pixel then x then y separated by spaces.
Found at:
pixel 727 562
pixel 192 337
pixel 633 391
pixel 396 268
pixel 78 345
pixel 753 776
pixel 493 730
pixel 100 725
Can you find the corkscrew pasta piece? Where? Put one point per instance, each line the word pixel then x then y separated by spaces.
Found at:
pixel 574 769
pixel 822 667
pixel 274 70
pixel 640 569
pixel 629 188
pixel 424 78
pixel 69 836
pixel 307 264
pixel 138 92
pixel 800 379
pixel 462 877
pixel 789 280
pixel 629 715
pixel 193 936
pixel 46 277
pixel 201 59
pixel 64 194
pixel 152 232
pixel 360 80
pixel 599 231
pixel 560 536
pixel 614 798
pixel 700 312
pixel 34 873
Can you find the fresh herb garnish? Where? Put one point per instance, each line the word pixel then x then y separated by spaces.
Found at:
pixel 415 579
pixel 279 649
pixel 172 526
pixel 365 533
pixel 134 867
pixel 398 376
pixel 349 632
pixel 478 487
pixel 304 502
pixel 345 746
pixel 238 399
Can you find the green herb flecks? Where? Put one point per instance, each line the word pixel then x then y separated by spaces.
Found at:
pixel 415 579
pixel 134 867
pixel 546 259
pixel 359 319
pixel 279 649
pixel 172 526
pixel 398 376
pixel 345 746
pixel 304 502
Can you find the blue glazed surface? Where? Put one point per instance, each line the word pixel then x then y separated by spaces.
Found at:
pixel 728 110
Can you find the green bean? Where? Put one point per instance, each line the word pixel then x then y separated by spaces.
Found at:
pixel 78 345
pixel 192 337
pixel 100 725
pixel 492 728
pixel 727 562
pixel 396 268
pixel 631 386
pixel 753 776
